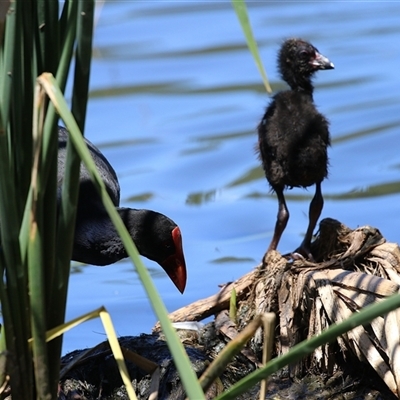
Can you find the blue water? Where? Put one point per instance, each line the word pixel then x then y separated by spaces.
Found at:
pixel 175 99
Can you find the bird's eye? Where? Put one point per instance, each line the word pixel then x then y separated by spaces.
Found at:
pixel 304 54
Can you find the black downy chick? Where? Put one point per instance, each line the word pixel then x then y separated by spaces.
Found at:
pixel 293 136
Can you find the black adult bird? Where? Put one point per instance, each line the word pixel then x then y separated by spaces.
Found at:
pixel 97 242
pixel 293 136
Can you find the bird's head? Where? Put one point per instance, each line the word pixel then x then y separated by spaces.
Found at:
pixel 298 60
pixel 158 238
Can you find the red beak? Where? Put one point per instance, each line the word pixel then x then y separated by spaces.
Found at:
pixel 175 265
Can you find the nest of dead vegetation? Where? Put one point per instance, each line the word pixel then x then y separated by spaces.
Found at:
pixel 352 269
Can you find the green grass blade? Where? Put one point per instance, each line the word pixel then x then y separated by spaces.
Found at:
pixel 70 187
pixel 35 263
pixel 69 194
pixel 47 12
pixel 83 58
pixel 56 287
pixel 233 307
pixel 117 352
pixel 14 298
pixel 38 315
pixel 189 379
pixel 57 278
pixel 70 14
pixel 31 44
pixel 7 62
pixel 241 12
pixel 22 88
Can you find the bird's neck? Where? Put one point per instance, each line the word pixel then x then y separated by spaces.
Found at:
pixel 300 84
pixel 305 87
pixel 97 241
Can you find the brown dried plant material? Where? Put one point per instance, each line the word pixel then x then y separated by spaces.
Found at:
pixel 353 268
pixel 356 268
